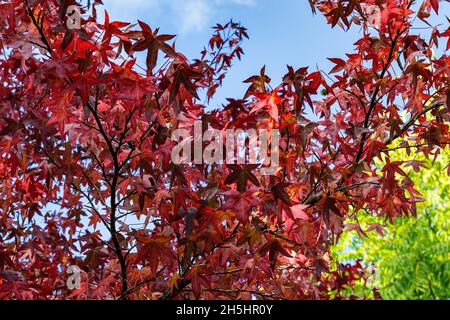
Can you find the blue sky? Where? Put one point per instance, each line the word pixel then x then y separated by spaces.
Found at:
pixel 281 32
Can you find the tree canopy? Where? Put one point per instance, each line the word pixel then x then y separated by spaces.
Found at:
pixel 86 140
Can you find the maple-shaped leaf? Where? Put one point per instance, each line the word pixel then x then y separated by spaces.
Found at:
pixel 177 173
pixel 258 83
pixel 340 64
pixel 296 79
pixel 240 203
pixel 152 42
pixel 328 208
pixel 183 75
pixel 198 280
pixel 274 247
pixel 279 192
pixel 418 68
pixel 298 212
pixel 96 256
pixel 152 250
pixel 113 28
pixel 269 101
pixel 241 174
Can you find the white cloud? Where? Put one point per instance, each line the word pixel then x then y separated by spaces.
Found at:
pixel 186 15
pixel 192 15
pixel 249 3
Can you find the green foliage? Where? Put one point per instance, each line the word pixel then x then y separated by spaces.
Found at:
pixel 412 259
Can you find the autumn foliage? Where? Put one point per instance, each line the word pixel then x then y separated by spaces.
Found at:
pixel 86 176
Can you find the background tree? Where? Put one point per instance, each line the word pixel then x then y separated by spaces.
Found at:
pixel 412 258
pixel 86 176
